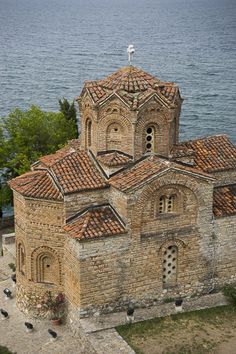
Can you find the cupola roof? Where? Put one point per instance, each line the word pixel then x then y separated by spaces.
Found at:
pixel 133 85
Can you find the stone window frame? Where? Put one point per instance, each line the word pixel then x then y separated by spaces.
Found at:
pixel 181 250
pixel 36 265
pixel 21 257
pixel 170 266
pixel 167 204
pixel 150 138
pixel 162 199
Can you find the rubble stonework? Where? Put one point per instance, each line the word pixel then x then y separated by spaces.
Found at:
pixel 127 212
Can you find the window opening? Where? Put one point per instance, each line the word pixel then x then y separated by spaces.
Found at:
pixel 169 266
pixel 149 141
pixel 166 204
pixel 89 133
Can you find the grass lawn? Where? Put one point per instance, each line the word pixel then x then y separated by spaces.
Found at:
pixel 196 332
pixel 4 350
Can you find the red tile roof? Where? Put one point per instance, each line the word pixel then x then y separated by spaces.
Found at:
pixel 114 158
pixel 36 184
pixel 132 85
pixel 142 170
pixel 214 153
pixel 76 172
pixel 224 201
pixel 95 222
pixel 72 171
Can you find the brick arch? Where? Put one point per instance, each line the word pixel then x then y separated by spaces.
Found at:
pixel 173 241
pixel 126 136
pixel 148 191
pixel 87 114
pixel 45 266
pixel 159 121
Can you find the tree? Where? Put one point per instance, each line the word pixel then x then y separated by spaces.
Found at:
pixel 69 111
pixel 27 135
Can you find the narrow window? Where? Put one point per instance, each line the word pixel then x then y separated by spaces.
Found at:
pixel 21 258
pixel 170 204
pixel 149 140
pixel 169 266
pixel 166 204
pixel 89 133
pixel 162 205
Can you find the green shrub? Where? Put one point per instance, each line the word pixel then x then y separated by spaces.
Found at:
pixel 230 292
pixel 4 350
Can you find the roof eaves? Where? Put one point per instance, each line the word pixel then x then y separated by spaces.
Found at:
pixel 102 102
pixel 154 94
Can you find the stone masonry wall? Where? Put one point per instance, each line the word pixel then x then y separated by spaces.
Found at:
pixel 225 250
pixel 39 249
pixel 104 264
pixel 116 270
pixel 225 177
pixel 82 200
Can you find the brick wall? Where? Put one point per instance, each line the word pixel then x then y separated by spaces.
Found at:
pixel 225 249
pixel 39 248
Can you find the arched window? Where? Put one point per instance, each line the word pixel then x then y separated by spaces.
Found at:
pixel 166 204
pixel 45 266
pixel 169 266
pixel 88 133
pixel 114 136
pixel 47 269
pixel 21 258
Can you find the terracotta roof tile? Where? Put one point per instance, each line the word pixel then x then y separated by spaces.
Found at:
pixel 95 222
pixel 215 153
pixel 36 184
pixel 145 169
pixel 76 172
pixel 72 170
pixel 114 158
pixel 133 85
pixel 224 200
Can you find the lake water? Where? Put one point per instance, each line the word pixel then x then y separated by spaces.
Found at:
pixel 48 48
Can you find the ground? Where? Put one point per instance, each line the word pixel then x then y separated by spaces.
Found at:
pixel 198 332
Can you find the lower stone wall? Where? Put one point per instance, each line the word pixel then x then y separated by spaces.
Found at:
pixel 74 323
pixel 225 250
pixel 29 299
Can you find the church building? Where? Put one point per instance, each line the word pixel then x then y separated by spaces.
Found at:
pixel 127 212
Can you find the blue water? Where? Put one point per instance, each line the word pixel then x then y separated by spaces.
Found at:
pixel 48 48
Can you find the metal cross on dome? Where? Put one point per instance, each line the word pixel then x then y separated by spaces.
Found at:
pixel 130 51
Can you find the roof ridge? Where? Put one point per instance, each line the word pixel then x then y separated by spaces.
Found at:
pixel 203 138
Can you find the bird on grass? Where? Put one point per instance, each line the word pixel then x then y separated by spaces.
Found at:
pixel 52 334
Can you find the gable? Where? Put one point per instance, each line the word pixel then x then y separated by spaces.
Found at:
pixel 150 168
